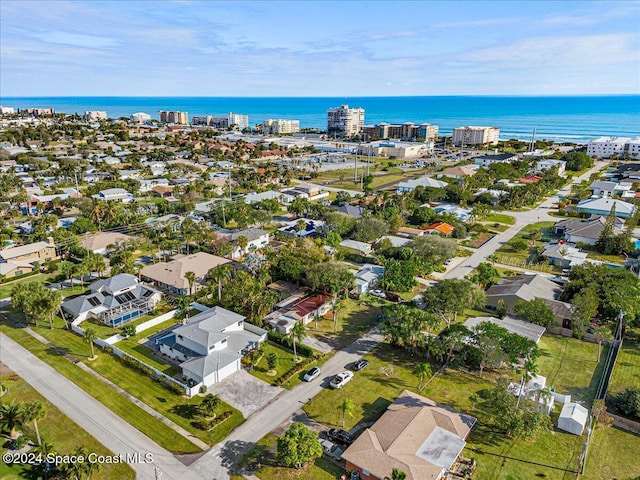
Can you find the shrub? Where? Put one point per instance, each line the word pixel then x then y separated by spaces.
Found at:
pixel 627 402
pixel 285 341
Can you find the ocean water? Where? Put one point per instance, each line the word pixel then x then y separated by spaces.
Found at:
pixel 574 118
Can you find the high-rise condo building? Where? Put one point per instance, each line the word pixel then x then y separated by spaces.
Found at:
pixel 280 127
pixel 404 131
pixel 606 147
pixel 180 118
pixel 240 121
pixel 343 121
pixel 476 135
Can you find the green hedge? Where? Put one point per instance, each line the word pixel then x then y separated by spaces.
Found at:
pixel 293 371
pixel 286 341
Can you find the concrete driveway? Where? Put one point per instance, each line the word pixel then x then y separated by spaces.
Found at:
pixel 245 392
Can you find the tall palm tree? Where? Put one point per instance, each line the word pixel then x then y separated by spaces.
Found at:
pixel 423 370
pixel 221 274
pixel 530 371
pixel 191 278
pixel 90 335
pixel 298 332
pixel 35 411
pixel 12 415
pixel 347 408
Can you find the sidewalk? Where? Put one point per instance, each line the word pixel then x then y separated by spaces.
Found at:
pixel 174 426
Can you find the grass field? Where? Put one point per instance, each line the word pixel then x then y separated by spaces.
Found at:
pixel 58 430
pixel 145 354
pixel 5 288
pixel 175 407
pixel 627 370
pixel 121 406
pixel 500 218
pixel 261 461
pixel 354 320
pixel 571 366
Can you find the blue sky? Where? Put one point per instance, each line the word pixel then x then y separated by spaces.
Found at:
pixel 312 48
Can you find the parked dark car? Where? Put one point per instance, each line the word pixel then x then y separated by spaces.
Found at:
pixel 360 364
pixel 341 436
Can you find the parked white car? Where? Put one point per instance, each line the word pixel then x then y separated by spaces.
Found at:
pixel 341 379
pixel 312 374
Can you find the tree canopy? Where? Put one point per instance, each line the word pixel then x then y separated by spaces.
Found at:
pixel 297 446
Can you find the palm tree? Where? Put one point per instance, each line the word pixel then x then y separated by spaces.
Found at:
pixel 221 274
pixel 423 370
pixel 298 332
pixel 242 243
pixel 52 301
pixel 191 278
pixel 11 416
pixel 35 411
pixel 347 408
pixel 530 371
pixel 90 335
pixel 209 404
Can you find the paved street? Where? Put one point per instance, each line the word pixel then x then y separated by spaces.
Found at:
pixel 538 214
pixel 104 425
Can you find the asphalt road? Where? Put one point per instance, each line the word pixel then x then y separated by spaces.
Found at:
pixel 104 425
pixel 538 214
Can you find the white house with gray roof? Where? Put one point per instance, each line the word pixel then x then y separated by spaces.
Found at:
pixel 211 344
pixel 114 301
pixel 256 239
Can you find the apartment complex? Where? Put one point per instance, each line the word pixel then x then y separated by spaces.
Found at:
pixel 7 110
pixel 404 131
pixel 92 115
pixel 605 147
pixel 280 126
pixel 140 117
pixel 476 135
pixel 180 118
pixel 38 112
pixel 343 121
pixel 222 122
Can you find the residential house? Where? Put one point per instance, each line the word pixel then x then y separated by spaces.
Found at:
pixel 603 188
pixel 564 256
pixel 147 184
pixel 33 252
pixel 426 182
pixel 14 269
pixel 457 173
pixel 170 276
pixel 548 164
pixel 528 330
pixel 460 213
pixel 303 227
pixel 211 344
pixel 163 191
pixel 526 288
pixel 256 239
pixel 488 160
pixel 114 301
pixel 441 228
pixel 100 242
pixel 46 202
pixel 298 310
pixel 367 277
pixel 114 195
pixel 361 248
pixel 351 210
pixel 603 206
pixel 410 232
pixel 396 242
pixel 415 435
pixel 585 231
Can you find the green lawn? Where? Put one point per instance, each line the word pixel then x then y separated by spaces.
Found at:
pixel 356 317
pixel 137 384
pixel 571 366
pixel 500 218
pixel 58 430
pixel 105 331
pixel 627 370
pixel 121 406
pixel 145 354
pixel 284 361
pixel 5 288
pixel 608 443
pixel 260 460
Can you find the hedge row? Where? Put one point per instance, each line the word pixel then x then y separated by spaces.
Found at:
pixel 206 424
pixel 286 341
pixel 295 370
